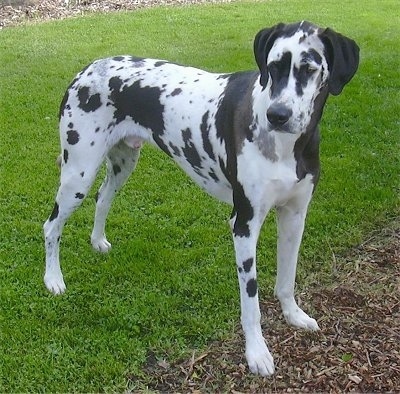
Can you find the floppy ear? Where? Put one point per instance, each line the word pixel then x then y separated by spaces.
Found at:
pixel 343 58
pixel 262 45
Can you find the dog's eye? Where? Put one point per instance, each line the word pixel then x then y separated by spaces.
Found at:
pixel 309 69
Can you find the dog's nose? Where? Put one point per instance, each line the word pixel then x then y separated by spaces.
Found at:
pixel 278 114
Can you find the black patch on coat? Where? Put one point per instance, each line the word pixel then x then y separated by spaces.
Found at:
pixel 279 72
pixel 244 212
pixel 54 213
pixel 251 288
pixel 190 152
pixel 306 148
pixel 72 137
pixel 65 156
pixel 290 29
pixel 303 73
pixel 233 117
pixel 160 63
pixel 116 169
pixel 142 104
pixel 62 105
pixel 88 103
pixel 80 196
pixel 82 174
pixel 233 122
pixel 70 125
pixel 175 149
pixel 135 59
pixel 176 92
pixel 313 56
pixel 213 175
pixel 205 135
pixel 248 264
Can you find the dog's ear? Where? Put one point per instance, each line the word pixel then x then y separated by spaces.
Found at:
pixel 343 57
pixel 262 45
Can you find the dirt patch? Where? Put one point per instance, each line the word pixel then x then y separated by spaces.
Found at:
pixel 358 348
pixel 14 12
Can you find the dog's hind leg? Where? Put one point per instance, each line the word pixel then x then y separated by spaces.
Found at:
pixel 291 218
pixel 121 161
pixel 74 186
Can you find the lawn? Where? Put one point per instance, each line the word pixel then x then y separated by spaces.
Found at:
pixel 169 284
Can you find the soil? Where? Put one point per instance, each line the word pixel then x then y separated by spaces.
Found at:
pixel 357 349
pixel 357 307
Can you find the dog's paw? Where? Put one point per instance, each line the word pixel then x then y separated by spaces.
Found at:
pixel 101 244
pixel 55 283
pixel 259 358
pixel 298 318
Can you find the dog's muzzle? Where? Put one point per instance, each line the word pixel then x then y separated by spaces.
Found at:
pixel 278 116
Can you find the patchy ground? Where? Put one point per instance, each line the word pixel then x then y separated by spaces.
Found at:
pixel 358 308
pixel 13 12
pixel 358 348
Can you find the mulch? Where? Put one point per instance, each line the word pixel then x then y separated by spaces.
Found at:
pixel 357 349
pixel 358 308
pixel 15 12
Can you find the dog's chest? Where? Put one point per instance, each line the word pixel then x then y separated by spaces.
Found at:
pixel 267 170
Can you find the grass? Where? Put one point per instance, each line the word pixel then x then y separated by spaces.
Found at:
pixel 169 284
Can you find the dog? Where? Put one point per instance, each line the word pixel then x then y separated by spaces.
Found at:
pixel 250 139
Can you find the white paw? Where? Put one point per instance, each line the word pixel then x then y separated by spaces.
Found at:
pixel 55 283
pixel 101 244
pixel 259 358
pixel 298 318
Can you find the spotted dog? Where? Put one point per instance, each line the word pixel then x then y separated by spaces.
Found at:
pixel 250 139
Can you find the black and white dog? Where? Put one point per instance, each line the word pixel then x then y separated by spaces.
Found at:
pixel 250 139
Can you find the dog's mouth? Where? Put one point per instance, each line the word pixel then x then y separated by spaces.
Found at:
pixel 285 129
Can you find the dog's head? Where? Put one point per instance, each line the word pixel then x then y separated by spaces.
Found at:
pixel 299 65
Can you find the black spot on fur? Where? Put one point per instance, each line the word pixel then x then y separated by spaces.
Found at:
pixel 54 213
pixel 80 196
pixel 248 264
pixel 116 169
pixel 251 288
pixel 86 102
pixel 70 125
pixel 213 175
pixel 176 92
pixel 72 137
pixel 65 156
pixel 63 105
pixel 205 134
pixel 160 63
pixel 175 149
pixel 82 174
pixel 190 151
pixel 313 55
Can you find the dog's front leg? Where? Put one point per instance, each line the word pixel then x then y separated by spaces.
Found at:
pixel 291 219
pixel 245 238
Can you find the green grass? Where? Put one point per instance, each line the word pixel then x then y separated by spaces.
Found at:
pixel 169 284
